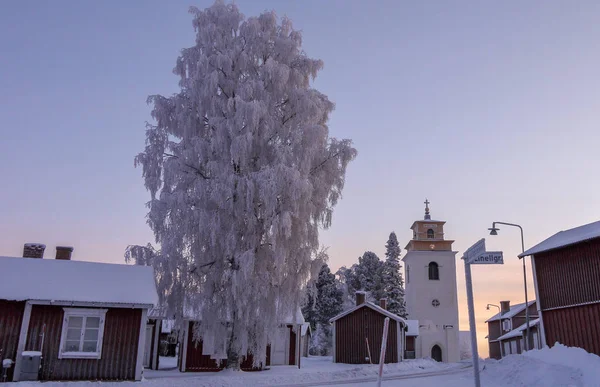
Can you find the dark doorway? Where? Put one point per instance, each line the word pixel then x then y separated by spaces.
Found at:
pixel 292 347
pixel 436 353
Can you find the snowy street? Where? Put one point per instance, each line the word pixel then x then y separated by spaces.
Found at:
pixel 559 366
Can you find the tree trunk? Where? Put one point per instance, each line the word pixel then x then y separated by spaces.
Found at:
pixel 233 358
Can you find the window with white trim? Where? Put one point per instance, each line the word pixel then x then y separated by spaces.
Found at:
pixel 82 333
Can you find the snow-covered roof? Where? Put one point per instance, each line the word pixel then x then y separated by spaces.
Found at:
pixel 39 279
pixel 299 318
pixel 514 310
pixel 518 331
pixel 305 329
pixel 566 238
pixel 376 308
pixel 413 327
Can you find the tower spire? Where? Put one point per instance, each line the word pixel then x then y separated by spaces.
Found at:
pixel 427 216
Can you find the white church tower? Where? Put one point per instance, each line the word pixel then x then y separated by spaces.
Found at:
pixel 430 291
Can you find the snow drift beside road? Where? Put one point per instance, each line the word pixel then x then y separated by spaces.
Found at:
pixel 556 366
pixel 559 355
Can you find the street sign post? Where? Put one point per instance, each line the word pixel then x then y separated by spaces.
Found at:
pixel 476 254
pixel 489 258
pixel 386 324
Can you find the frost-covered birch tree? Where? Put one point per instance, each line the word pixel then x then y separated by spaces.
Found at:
pixel 242 174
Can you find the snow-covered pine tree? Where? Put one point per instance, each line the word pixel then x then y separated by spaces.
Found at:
pixel 329 298
pixel 242 173
pixel 367 276
pixel 309 311
pixel 393 285
pixel 321 342
pixel 326 297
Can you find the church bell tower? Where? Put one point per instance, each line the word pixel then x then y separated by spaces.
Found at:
pixel 430 291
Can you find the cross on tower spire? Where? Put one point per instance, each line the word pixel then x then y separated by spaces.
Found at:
pixel 427 216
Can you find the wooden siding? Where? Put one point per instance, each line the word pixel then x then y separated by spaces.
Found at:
pixel 119 346
pixel 197 362
pixel 569 276
pixel 494 350
pixel 574 327
pixel 11 315
pixel 351 331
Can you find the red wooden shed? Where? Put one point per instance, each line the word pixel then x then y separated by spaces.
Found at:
pixel 285 348
pixel 566 270
pixel 358 332
pixel 86 320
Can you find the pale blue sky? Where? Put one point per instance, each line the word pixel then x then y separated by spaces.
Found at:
pixel 489 109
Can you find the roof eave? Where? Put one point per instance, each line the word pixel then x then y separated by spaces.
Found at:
pixel 97 304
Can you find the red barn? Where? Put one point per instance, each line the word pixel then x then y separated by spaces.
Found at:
pixel 566 270
pixel 358 332
pixel 83 320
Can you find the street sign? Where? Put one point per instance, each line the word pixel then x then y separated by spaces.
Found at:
pixel 488 258
pixel 476 250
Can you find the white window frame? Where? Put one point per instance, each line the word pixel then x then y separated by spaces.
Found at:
pixel 82 312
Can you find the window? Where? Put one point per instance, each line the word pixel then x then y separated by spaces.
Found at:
pixel 513 347
pixel 507 325
pixel 430 234
pixel 434 271
pixel 506 348
pixel 82 333
pixel 407 274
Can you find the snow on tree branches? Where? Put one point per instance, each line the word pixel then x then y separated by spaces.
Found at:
pixel 393 285
pixel 323 302
pixel 242 173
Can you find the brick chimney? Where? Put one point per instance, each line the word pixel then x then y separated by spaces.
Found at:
pixel 64 253
pixel 360 298
pixel 504 307
pixel 383 303
pixel 33 250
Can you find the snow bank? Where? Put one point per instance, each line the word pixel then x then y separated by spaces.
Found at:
pixel 556 366
pixel 518 370
pixel 586 363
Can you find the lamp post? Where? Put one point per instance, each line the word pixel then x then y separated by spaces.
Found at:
pixel 488 307
pixel 494 231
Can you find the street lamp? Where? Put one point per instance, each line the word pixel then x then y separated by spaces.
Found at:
pixel 494 231
pixel 488 307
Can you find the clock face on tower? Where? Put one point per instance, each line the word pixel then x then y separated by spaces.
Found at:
pixel 435 303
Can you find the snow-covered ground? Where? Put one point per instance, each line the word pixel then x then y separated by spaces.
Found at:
pixel 558 366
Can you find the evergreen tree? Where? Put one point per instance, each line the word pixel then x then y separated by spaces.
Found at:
pixel 368 276
pixel 323 301
pixel 393 285
pixel 321 341
pixel 308 307
pixel 328 303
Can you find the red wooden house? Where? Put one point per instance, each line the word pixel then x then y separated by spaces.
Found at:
pixel 85 320
pixel 566 271
pixel 358 332
pixel 504 334
pixel 285 348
